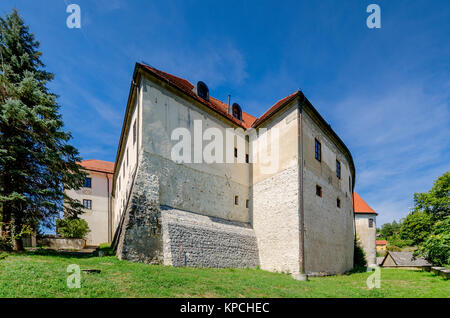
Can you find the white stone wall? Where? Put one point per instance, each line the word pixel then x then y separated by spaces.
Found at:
pixel 328 229
pixel 275 201
pixel 197 240
pixel 367 236
pixel 276 221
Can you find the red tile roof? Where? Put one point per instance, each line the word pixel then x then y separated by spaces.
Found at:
pixel 98 165
pixel 275 107
pixel 360 206
pixel 381 242
pixel 213 103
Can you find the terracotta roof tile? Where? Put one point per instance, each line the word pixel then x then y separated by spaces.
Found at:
pixel 360 206
pixel 213 103
pixel 275 107
pixel 381 242
pixel 98 165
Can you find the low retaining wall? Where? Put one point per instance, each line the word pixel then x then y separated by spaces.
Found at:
pixel 441 271
pixel 195 240
pixel 62 243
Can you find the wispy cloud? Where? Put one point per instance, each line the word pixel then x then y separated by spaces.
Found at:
pixel 400 142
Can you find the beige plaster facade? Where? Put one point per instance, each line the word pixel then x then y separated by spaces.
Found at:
pixel 98 216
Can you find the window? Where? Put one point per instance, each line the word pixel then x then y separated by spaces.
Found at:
pixel 338 169
pixel 247 158
pixel 203 91
pixel 236 111
pixel 134 132
pixel 319 191
pixel 247 203
pixel 236 200
pixel 318 151
pixel 235 152
pixel 349 184
pixel 127 157
pixel 338 202
pixel 87 204
pixel 87 182
pixel 370 222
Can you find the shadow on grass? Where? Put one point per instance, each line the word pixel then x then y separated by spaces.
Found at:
pixel 59 253
pixel 357 269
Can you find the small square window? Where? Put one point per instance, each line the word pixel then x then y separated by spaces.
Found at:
pixel 338 202
pixel 338 169
pixel 87 204
pixel 319 191
pixel 236 200
pixel 235 152
pixel 247 158
pixel 247 203
pixel 370 222
pixel 87 182
pixel 318 151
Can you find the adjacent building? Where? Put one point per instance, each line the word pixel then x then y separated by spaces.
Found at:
pixel 365 225
pixel 381 245
pixel 282 199
pixel 96 198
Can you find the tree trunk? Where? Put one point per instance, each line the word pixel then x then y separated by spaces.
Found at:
pixel 18 245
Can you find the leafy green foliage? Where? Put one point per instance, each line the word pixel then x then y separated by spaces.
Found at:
pixel 416 227
pixel 436 248
pixel 72 228
pixel 435 202
pixel 359 257
pixel 36 160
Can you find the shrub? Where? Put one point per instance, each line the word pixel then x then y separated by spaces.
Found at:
pixel 359 257
pixel 393 248
pixel 72 228
pixel 436 247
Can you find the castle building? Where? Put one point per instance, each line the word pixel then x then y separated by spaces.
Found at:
pixel 281 199
pixel 96 198
pixel 365 224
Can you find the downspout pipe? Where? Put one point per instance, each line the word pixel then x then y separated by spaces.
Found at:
pixel 302 276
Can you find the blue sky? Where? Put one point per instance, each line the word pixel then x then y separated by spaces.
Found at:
pixel 384 91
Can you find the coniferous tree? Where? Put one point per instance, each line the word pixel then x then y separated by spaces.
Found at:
pixel 36 160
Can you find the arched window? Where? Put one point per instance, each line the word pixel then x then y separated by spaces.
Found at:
pixel 236 111
pixel 203 91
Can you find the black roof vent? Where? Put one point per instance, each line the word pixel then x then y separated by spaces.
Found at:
pixel 203 91
pixel 236 111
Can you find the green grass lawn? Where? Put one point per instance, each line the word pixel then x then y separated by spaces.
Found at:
pixel 34 275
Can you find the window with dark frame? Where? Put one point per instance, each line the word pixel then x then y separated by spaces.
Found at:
pixel 338 169
pixel 127 157
pixel 247 203
pixel 235 152
pixel 247 158
pixel 318 154
pixel 134 132
pixel 88 182
pixel 87 204
pixel 318 190
pixel 349 184
pixel 236 200
pixel 338 202
pixel 370 222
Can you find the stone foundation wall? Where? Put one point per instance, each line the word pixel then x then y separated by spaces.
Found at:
pixel 140 235
pixel 196 240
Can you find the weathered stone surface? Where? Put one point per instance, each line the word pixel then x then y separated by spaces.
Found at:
pixel 140 238
pixel 196 240
pixel 276 221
